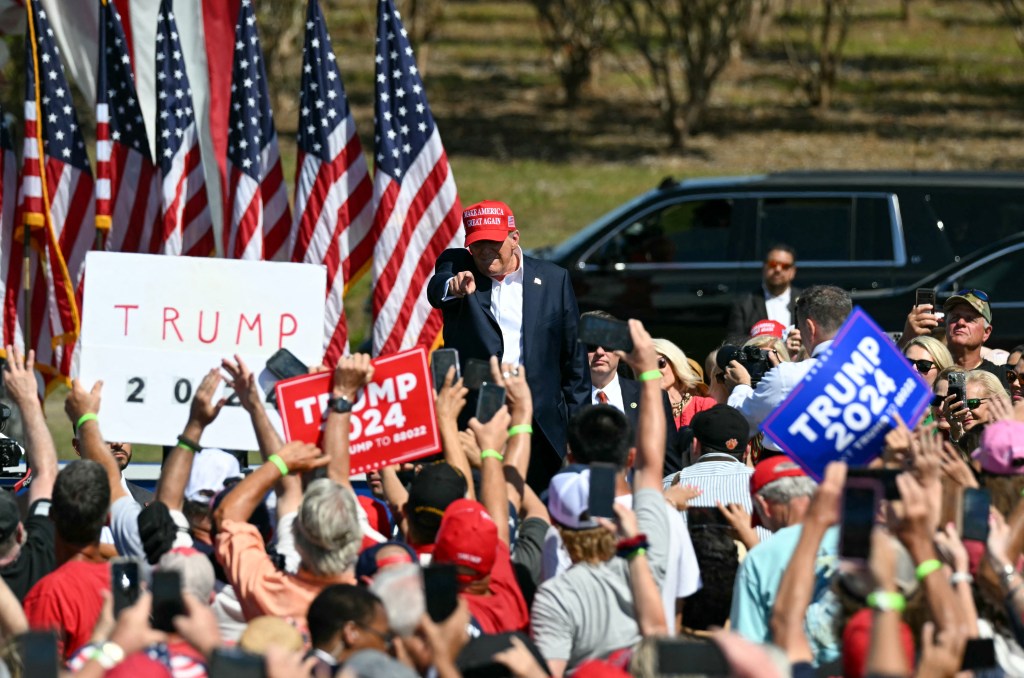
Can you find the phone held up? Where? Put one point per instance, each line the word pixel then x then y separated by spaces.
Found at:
pixel 861 498
pixel 611 335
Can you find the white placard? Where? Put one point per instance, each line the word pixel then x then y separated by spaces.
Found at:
pixel 153 326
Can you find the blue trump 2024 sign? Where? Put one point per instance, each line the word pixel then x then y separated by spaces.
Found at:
pixel 843 408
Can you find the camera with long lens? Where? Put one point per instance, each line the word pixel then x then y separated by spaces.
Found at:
pixel 10 451
pixel 754 360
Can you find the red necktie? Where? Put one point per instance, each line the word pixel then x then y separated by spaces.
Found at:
pixel 602 397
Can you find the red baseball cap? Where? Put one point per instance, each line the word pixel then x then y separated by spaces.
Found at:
pixel 767 471
pixel 771 328
pixel 488 220
pixel 857 643
pixel 467 537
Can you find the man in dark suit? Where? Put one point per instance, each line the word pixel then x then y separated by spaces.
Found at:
pixel 775 300
pixel 610 388
pixel 496 301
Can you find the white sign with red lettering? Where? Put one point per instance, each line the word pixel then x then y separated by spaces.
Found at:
pixel 392 419
pixel 153 326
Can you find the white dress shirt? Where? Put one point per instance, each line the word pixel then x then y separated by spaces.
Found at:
pixel 778 307
pixel 507 308
pixel 613 391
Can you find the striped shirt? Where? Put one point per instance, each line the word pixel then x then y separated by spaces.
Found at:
pixel 722 478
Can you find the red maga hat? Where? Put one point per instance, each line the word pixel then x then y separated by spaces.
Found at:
pixel 488 220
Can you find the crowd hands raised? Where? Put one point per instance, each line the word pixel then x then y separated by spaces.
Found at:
pixel 735 565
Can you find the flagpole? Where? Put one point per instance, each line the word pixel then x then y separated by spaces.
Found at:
pixel 103 221
pixel 31 218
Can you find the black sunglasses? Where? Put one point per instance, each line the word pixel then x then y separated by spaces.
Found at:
pixel 1012 376
pixel 975 403
pixel 923 366
pixel 662 362
pixel 592 348
pixel 981 294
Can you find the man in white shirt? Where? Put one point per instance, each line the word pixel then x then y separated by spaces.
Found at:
pixel 820 312
pixel 774 301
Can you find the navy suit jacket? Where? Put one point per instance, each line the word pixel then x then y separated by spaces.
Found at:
pixel 630 390
pixel 747 309
pixel 556 364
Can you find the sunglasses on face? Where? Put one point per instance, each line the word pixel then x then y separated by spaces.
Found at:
pixel 975 403
pixel 662 362
pixel 1012 376
pixel 778 265
pixel 978 293
pixel 592 348
pixel 923 366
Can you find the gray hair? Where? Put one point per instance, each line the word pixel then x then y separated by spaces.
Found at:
pixel 785 490
pixel 326 529
pixel 400 589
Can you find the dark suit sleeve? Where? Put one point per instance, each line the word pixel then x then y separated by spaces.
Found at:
pixel 575 373
pixel 447 265
pixel 734 326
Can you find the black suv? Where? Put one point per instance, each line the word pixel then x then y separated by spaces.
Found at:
pixel 677 256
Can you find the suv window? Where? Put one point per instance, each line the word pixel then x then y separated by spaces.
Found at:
pixel 833 228
pixel 999 276
pixel 696 231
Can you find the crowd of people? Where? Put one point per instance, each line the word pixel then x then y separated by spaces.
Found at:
pixel 719 555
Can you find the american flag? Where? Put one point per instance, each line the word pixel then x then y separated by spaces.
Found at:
pixel 418 212
pixel 56 200
pixel 128 181
pixel 258 222
pixel 333 193
pixel 185 226
pixel 10 286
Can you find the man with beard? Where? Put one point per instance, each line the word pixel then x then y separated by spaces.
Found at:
pixel 122 453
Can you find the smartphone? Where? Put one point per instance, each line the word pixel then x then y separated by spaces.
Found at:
pixel 124 583
pixel 706 515
pixel 167 600
pixel 860 506
pixel 284 365
pixel 233 662
pixel 39 655
pixel 924 295
pixel 478 373
pixel 957 386
pixel 974 524
pixel 611 335
pixel 676 656
pixel 442 360
pixel 490 400
pixel 602 490
pixel 442 591
pixel 979 654
pixel 885 476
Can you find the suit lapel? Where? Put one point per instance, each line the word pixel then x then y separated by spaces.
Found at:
pixel 533 287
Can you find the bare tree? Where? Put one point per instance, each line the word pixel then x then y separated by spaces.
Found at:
pixel 685 44
pixel 575 32
pixel 1013 12
pixel 422 18
pixel 817 54
pixel 281 26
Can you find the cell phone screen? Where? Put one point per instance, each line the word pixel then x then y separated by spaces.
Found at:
pixel 924 295
pixel 885 476
pixel 235 663
pixel 860 505
pixel 477 373
pixel 284 365
pixel 442 591
pixel 442 360
pixel 602 490
pixel 39 656
pixel 124 583
pixel 976 514
pixel 676 656
pixel 491 398
pixel 167 600
pixel 979 654
pixel 611 335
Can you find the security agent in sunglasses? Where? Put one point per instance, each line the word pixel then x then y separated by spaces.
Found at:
pixel 968 318
pixel 774 300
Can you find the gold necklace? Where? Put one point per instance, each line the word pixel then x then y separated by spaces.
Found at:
pixel 677 408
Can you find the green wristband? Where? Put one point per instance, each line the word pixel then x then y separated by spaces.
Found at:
pixel 88 416
pixel 638 552
pixel 492 454
pixel 887 600
pixel 649 375
pixel 521 428
pixel 927 567
pixel 277 461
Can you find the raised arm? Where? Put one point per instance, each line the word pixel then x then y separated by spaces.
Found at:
pixel 493 495
pixel 520 407
pixel 885 655
pixel 40 452
pixel 447 405
pixel 243 383
pixel 174 475
pixel 650 440
pixel 650 613
pixel 91 444
pixel 351 374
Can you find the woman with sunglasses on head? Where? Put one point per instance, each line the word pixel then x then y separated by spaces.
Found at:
pixel 929 356
pixel 686 392
pixel 967 418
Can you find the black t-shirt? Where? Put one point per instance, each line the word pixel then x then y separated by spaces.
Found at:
pixel 38 557
pixel 998 370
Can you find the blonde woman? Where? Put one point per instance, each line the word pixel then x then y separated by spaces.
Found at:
pixel 681 383
pixel 929 356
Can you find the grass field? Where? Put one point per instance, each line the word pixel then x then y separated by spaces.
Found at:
pixel 943 91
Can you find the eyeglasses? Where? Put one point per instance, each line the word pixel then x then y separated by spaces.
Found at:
pixel 387 638
pixel 938 400
pixel 975 403
pixel 923 366
pixel 662 362
pixel 981 294
pixel 778 265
